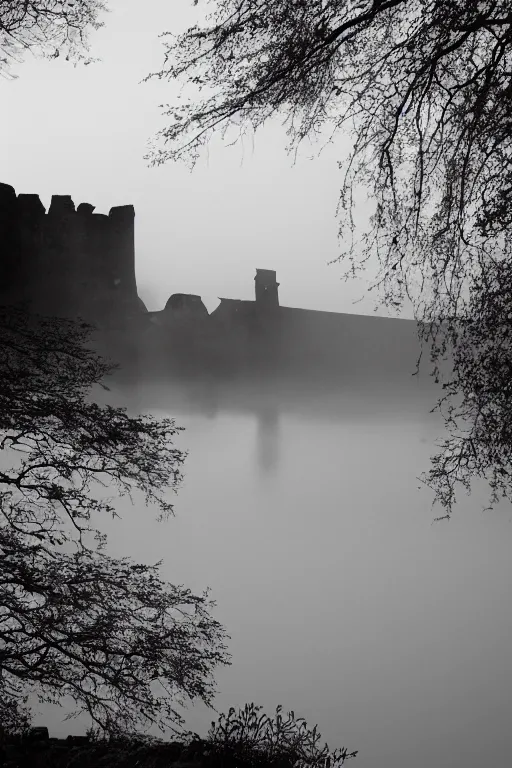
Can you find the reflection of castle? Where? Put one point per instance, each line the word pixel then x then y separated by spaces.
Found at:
pixel 71 261
pixel 268 437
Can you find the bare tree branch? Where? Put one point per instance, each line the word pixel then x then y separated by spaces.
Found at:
pixel 50 28
pixel 123 644
pixel 423 88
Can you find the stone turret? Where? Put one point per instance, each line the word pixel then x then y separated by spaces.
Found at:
pixel 266 288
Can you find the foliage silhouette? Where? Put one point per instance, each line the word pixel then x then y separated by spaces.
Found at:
pixel 73 621
pixel 242 738
pixel 50 28
pixel 423 90
pixel 247 738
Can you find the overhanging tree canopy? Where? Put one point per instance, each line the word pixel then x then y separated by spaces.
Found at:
pixel 122 643
pixel 47 27
pixel 423 88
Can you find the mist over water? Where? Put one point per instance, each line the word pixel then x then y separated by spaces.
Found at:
pixel 300 507
pixel 343 601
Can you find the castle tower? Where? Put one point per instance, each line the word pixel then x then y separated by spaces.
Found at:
pixel 67 262
pixel 266 288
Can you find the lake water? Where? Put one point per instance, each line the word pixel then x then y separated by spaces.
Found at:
pixel 343 601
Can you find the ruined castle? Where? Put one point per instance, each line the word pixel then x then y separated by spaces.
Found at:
pixel 67 261
pixel 71 261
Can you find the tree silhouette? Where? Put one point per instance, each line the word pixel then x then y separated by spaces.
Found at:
pixel 73 621
pixel 252 740
pixel 50 28
pixel 423 90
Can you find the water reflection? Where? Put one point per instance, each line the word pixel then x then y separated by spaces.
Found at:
pixel 343 602
pixel 268 438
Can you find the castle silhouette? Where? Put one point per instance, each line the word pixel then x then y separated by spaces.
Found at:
pixel 71 261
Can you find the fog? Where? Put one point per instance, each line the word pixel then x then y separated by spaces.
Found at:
pixel 245 206
pixel 301 507
pixel 344 602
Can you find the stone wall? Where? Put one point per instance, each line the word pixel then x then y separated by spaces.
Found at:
pixel 67 261
pixel 38 750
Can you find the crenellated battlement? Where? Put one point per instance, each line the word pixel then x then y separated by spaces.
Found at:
pixel 70 261
pixel 67 261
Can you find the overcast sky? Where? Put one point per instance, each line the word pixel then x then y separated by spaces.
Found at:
pixel 83 131
pixel 391 633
